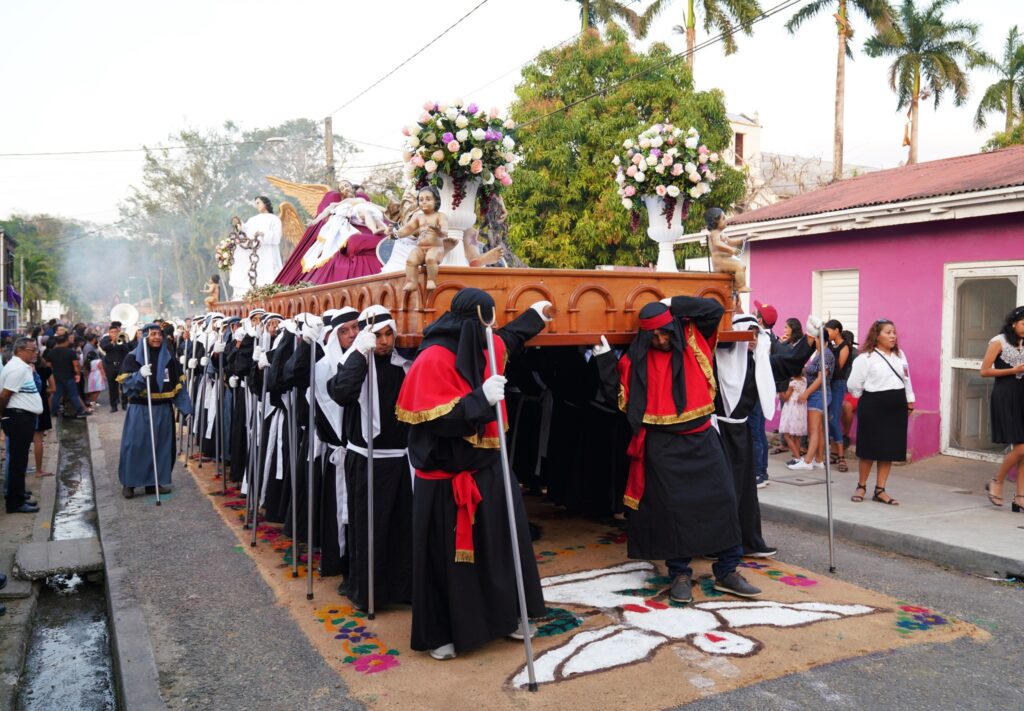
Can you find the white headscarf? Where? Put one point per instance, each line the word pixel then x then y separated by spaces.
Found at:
pixel 376 318
pixel 732 368
pixel 326 368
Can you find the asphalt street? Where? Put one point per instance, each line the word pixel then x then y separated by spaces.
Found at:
pixel 963 674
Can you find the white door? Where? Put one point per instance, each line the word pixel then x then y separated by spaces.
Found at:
pixel 836 295
pixel 976 299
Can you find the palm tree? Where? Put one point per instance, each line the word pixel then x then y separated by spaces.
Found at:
pixel 879 12
pixel 593 12
pixel 927 49
pixel 722 15
pixel 1007 94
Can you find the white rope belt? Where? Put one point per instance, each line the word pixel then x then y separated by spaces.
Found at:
pixel 377 453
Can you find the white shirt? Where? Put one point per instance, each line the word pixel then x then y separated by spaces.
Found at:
pixel 17 377
pixel 870 373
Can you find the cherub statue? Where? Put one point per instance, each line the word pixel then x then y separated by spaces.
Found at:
pixel 432 243
pixel 725 251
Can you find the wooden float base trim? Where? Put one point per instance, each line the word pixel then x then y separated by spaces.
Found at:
pixel 587 304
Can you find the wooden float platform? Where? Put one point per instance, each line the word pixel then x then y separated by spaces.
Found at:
pixel 588 303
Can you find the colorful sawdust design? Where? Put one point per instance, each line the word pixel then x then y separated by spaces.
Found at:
pixel 362 649
pixel 556 621
pixel 779 574
pixel 914 618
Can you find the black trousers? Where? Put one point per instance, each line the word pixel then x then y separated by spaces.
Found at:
pixel 20 428
pixel 113 387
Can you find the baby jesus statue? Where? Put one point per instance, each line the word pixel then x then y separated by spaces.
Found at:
pixel 432 243
pixel 725 252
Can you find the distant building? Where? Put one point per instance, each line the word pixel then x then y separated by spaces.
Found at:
pixel 936 247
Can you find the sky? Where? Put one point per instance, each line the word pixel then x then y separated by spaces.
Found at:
pixel 120 74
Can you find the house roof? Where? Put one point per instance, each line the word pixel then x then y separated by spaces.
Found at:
pixel 950 176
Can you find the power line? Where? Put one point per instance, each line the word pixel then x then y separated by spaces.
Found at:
pixel 410 57
pixel 671 60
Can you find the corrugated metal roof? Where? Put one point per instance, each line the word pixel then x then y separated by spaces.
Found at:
pixel 949 176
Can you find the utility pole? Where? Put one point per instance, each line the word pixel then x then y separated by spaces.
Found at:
pixel 329 148
pixel 3 281
pixel 21 316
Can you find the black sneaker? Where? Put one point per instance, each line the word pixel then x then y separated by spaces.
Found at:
pixel 682 589
pixel 127 492
pixel 766 553
pixel 736 584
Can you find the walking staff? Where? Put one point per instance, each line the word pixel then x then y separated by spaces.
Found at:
pixel 149 407
pixel 370 395
pixel 261 363
pixel 293 436
pixel 314 327
pixel 524 623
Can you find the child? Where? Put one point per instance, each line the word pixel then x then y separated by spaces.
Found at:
pixel 793 421
pixel 212 292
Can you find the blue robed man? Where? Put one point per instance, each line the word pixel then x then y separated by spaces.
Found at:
pixel 157 365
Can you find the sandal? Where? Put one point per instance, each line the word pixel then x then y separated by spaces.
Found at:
pixel 778 450
pixel 888 501
pixel 996 499
pixel 843 467
pixel 859 497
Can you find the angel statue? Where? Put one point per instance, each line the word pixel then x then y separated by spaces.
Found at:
pixel 341 240
pixel 257 255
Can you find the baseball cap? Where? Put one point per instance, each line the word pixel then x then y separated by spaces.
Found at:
pixel 768 313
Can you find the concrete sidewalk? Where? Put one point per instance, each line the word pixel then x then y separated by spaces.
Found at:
pixel 944 515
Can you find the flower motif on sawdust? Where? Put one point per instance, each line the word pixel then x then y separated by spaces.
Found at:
pixel 354 634
pixel 373 663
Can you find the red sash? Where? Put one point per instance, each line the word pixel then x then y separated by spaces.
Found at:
pixel 467 496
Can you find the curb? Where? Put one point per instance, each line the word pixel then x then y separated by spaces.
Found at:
pixel 907 544
pixel 138 681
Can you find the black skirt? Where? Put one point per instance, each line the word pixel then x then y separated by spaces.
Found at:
pixel 882 426
pixel 1006 408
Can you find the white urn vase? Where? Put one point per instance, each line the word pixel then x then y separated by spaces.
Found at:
pixel 460 218
pixel 665 228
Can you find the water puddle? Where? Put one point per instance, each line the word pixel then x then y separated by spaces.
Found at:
pixel 69 664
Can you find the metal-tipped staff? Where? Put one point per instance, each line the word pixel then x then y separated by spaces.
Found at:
pixel 259 461
pixel 827 449
pixel 250 429
pixel 219 420
pixel 506 471
pixel 370 395
pixel 294 461
pixel 309 471
pixel 183 419
pixel 149 407
pixel 201 415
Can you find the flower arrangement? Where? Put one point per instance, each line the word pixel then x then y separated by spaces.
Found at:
pixel 463 141
pixel 225 253
pixel 666 162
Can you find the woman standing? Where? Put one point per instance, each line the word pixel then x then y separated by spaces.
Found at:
pixel 842 353
pixel 881 379
pixel 95 376
pixel 1004 361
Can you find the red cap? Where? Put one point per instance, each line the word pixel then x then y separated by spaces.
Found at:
pixel 768 313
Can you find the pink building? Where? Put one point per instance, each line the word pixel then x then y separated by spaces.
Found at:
pixel 937 248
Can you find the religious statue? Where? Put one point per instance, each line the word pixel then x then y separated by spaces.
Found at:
pixel 726 252
pixel 432 241
pixel 257 253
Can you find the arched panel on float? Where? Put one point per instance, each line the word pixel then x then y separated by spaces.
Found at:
pixel 388 298
pixel 439 300
pixel 313 305
pixel 580 316
pixel 329 301
pixel 514 296
pixel 634 296
pixel 363 298
pixel 293 308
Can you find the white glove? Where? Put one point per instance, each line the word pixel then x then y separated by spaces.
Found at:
pixel 261 360
pixel 667 301
pixel 182 360
pixel 365 342
pixel 494 389
pixel 539 308
pixel 146 370
pixel 219 346
pixel 248 329
pixel 233 381
pixel 601 348
pixel 813 326
pixel 238 334
pixel 311 332
pixel 204 361
pixel 192 363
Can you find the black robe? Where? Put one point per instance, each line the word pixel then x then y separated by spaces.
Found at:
pixel 392 486
pixel 468 604
pixel 279 492
pixel 238 363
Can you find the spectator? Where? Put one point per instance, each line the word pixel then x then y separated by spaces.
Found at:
pixel 881 379
pixel 793 421
pixel 66 374
pixel 44 423
pixel 95 377
pixel 114 350
pixel 1004 361
pixel 766 318
pixel 815 457
pixel 849 406
pixel 842 353
pixel 20 404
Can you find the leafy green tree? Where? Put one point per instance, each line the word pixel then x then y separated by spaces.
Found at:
pixel 725 17
pixel 1005 139
pixel 879 12
pixel 563 207
pixel 928 50
pixel 1007 94
pixel 594 12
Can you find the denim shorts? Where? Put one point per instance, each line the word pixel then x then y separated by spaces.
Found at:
pixel 814 401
